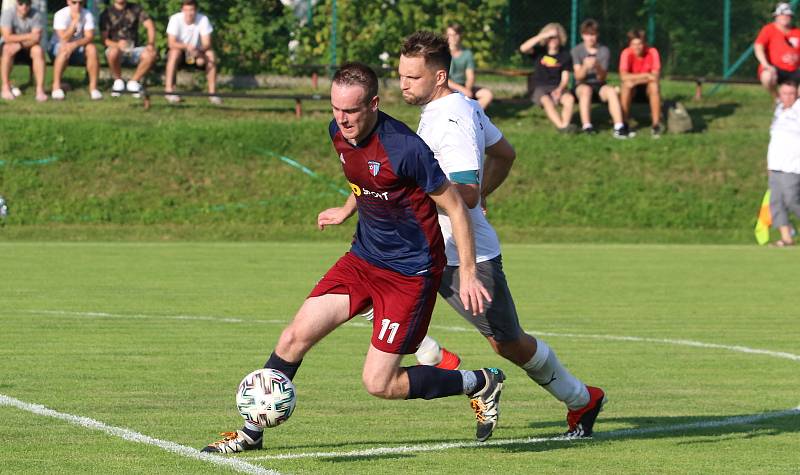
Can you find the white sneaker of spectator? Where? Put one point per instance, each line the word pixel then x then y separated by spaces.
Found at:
pixel 117 88
pixel 16 92
pixel 58 94
pixel 216 100
pixel 96 95
pixel 135 88
pixel 172 98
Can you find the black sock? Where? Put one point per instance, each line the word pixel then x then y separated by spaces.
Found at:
pixel 285 367
pixel 253 434
pixel 430 382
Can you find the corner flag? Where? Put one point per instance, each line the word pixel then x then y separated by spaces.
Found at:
pixel 764 221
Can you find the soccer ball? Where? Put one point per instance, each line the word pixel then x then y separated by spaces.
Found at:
pixel 266 398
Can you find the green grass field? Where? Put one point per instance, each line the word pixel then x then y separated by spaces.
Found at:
pixel 155 337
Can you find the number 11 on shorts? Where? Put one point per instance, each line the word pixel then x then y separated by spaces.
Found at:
pixel 387 324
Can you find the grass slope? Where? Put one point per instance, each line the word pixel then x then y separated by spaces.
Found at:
pixel 200 172
pixel 174 378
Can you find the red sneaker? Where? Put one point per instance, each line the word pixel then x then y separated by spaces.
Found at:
pixel 449 360
pixel 581 421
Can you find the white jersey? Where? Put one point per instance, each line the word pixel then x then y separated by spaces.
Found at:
pixel 458 132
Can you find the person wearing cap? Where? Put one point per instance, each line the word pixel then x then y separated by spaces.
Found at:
pixel 73 28
pixel 777 49
pixel 22 32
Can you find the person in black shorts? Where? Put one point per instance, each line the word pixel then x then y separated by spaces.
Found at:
pixel 590 65
pixel 551 77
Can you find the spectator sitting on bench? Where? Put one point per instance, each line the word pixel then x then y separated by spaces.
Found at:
pixel 590 64
pixel 640 72
pixel 22 32
pixel 551 77
pixel 462 69
pixel 120 26
pixel 777 49
pixel 189 41
pixel 72 44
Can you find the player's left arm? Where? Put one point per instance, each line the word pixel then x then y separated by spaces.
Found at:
pixel 472 291
pixel 334 216
pixel 497 165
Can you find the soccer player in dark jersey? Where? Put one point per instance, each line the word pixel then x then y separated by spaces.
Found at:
pixel 394 265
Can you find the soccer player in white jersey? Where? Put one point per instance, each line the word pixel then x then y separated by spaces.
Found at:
pixel 459 133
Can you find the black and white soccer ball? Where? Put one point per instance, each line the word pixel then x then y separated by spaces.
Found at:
pixel 266 398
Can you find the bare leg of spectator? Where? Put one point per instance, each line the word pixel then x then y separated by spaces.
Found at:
pixel 654 95
pixel 146 61
pixel 769 81
pixel 211 71
pixel 6 63
pixel 172 63
pixel 39 68
pixel 584 93
pixel 551 111
pixel 484 97
pixel 626 96
pixel 609 95
pixel 568 106
pixel 59 64
pixel 113 55
pixel 92 65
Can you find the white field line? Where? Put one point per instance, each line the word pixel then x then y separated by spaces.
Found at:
pixel 730 421
pixel 127 434
pixel 661 341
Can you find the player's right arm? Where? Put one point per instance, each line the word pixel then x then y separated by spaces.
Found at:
pixel 334 216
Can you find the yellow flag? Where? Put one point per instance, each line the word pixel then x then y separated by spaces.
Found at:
pixel 764 221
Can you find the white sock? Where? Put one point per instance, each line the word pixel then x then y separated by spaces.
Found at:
pixel 470 381
pixel 546 370
pixel 618 125
pixel 429 352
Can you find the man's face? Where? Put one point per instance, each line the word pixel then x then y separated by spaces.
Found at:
pixel 589 39
pixel 74 5
pixel 353 112
pixel 120 3
pixel 453 38
pixel 189 13
pixel 417 81
pixel 23 9
pixel 637 46
pixel 784 20
pixel 787 94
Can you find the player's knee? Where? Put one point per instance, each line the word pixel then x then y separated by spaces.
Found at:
pixel 377 386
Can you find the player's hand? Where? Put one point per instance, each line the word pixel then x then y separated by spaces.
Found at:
pixel 472 292
pixel 330 217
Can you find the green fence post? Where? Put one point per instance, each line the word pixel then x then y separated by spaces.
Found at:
pixel 333 37
pixel 726 37
pixel 573 30
pixel 310 13
pixel 651 22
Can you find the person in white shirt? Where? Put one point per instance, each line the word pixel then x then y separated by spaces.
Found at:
pixel 783 162
pixel 189 41
pixel 459 133
pixel 72 44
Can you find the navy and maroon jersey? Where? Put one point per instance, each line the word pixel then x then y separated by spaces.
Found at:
pixel 391 173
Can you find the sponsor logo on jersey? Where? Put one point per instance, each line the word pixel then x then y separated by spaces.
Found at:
pixel 374 167
pixel 359 191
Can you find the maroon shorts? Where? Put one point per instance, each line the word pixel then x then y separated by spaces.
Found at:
pixel 403 304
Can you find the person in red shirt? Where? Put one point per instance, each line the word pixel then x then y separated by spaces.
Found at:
pixel 777 49
pixel 640 72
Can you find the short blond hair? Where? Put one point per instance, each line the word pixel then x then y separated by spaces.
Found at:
pixel 562 33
